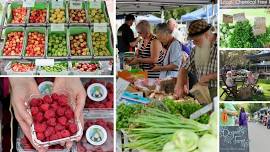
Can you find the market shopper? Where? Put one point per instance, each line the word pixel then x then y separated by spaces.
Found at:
pixel 151 52
pixel 203 59
pixel 174 55
pixel 227 114
pixel 125 38
pixel 21 88
pixel 173 27
pixel 243 118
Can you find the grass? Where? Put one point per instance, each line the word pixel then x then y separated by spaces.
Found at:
pixel 263 83
pixel 249 13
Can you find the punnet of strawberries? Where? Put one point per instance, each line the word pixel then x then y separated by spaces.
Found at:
pixel 53 117
pixel 84 146
pixel 27 146
pixel 107 103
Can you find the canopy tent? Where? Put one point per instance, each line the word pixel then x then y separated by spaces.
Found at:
pixel 203 13
pixel 147 6
pixel 150 18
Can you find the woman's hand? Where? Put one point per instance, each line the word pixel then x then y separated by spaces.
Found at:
pixel 74 85
pixel 21 89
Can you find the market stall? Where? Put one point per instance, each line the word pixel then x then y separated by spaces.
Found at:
pixel 149 118
pixel 56 37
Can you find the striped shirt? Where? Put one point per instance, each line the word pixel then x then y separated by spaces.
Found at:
pixel 210 68
pixel 145 52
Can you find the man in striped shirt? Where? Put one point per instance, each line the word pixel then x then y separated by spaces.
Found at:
pixel 202 61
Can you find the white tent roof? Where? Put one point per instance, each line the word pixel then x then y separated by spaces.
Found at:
pixel 146 6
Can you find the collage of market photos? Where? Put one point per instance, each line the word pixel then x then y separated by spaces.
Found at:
pixel 134 75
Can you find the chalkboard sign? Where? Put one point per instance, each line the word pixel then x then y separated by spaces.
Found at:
pixel 245 3
pixel 233 139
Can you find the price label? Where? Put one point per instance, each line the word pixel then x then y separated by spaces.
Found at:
pixel 202 111
pixel 44 62
pixel 57 4
pixel 95 4
pixel 227 18
pixel 29 3
pixel 58 27
pixel 121 86
pixel 75 5
pixel 240 17
pixel 100 27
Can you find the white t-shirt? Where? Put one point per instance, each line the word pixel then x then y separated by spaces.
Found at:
pixel 178 35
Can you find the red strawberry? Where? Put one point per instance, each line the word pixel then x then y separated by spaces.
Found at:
pixel 49 114
pixel 38 117
pixel 62 120
pixel 51 122
pixel 73 128
pixel 40 128
pixel 65 133
pixel 40 136
pixel 49 131
pixel 60 111
pixel 44 107
pixel 34 110
pixel 47 99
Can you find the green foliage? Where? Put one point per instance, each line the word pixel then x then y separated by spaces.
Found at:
pixel 177 13
pixel 254 107
pixel 225 34
pixel 242 36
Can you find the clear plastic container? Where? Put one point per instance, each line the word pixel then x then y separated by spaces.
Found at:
pixel 102 121
pixel 63 72
pixel 76 71
pixel 24 145
pixel 9 70
pixel 107 103
pixel 71 103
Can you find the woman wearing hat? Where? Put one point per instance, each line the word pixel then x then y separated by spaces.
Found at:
pixel 203 59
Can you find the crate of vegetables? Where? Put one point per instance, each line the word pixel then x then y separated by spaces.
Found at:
pixel 24 145
pixel 54 120
pixel 13 43
pixel 20 68
pixel 79 42
pixel 57 44
pixel 97 12
pixel 59 68
pixel 16 14
pixel 35 41
pixel 85 68
pixel 99 94
pixel 57 12
pixel 98 132
pixel 37 15
pixel 101 43
pixel 77 13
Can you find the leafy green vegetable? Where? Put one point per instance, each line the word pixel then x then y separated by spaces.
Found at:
pixel 213 123
pixel 242 36
pixel 170 146
pixel 208 143
pixel 154 128
pixel 185 140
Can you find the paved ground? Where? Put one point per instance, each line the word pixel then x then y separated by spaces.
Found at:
pixel 259 137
